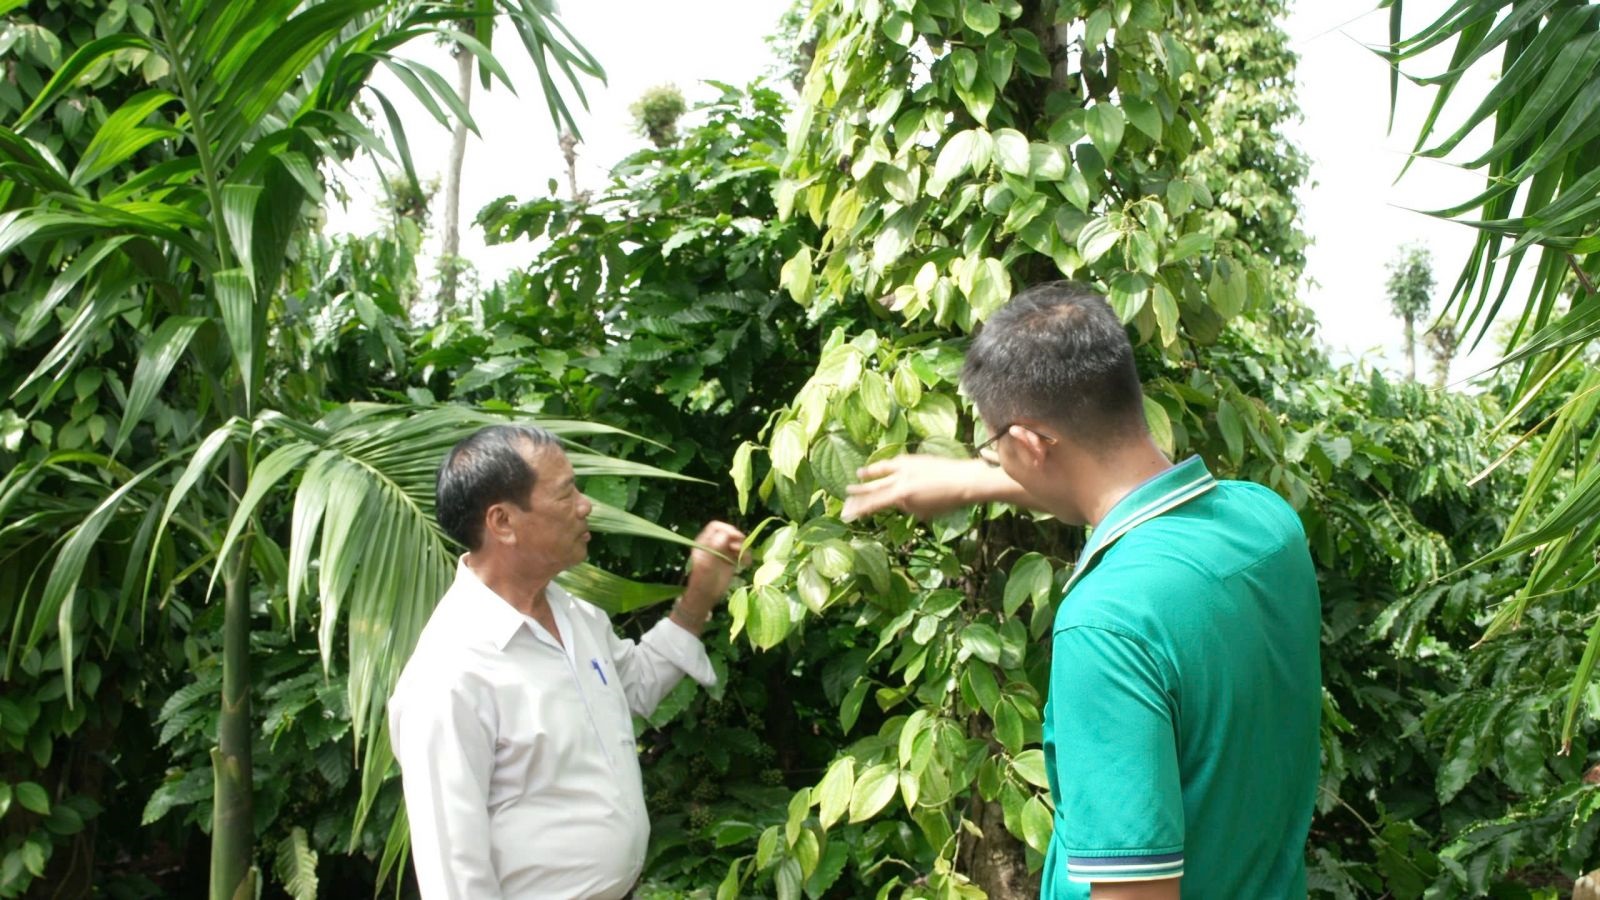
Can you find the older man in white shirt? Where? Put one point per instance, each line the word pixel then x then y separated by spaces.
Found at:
pixel 512 721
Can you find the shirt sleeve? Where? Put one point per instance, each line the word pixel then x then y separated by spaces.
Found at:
pixel 446 753
pixel 654 665
pixel 1120 805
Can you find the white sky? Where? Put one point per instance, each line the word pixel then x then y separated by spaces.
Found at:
pixel 1355 216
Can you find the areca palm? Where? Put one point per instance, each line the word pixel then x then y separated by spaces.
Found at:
pixel 1535 220
pixel 169 232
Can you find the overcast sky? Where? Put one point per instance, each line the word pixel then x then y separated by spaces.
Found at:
pixel 1356 217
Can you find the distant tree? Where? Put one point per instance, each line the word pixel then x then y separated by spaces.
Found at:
pixel 656 114
pixel 1410 295
pixel 1443 341
pixel 407 199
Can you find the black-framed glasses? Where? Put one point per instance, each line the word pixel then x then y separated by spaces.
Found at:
pixel 1002 432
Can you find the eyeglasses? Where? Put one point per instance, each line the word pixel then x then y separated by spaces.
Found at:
pixel 1002 432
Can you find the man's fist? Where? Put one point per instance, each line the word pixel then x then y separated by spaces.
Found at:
pixel 711 568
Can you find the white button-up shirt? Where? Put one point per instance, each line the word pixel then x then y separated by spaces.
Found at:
pixel 517 754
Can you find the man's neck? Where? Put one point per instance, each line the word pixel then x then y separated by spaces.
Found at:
pixel 1119 476
pixel 525 594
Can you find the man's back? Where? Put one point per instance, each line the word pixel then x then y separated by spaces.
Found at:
pixel 1182 733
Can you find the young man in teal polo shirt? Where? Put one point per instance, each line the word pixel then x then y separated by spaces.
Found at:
pixel 1181 728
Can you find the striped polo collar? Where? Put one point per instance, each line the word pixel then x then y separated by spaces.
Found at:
pixel 1158 494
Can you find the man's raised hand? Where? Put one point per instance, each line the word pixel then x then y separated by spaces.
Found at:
pixel 921 485
pixel 709 572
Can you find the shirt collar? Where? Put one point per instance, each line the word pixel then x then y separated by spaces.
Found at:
pixel 1158 494
pixel 488 614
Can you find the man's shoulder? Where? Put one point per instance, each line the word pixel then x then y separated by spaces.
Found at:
pixel 1145 565
pixel 1231 526
pixel 1257 495
pixel 1256 505
pixel 446 651
pixel 1187 551
pixel 1119 598
pixel 1122 593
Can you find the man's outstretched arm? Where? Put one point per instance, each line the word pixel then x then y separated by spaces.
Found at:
pixel 926 486
pixel 672 649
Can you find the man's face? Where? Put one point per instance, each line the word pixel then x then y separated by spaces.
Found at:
pixel 552 527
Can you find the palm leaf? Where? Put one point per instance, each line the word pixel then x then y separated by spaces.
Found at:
pixel 201 459
pixel 614 594
pixel 296 865
pixel 258 96
pixel 60 591
pixel 37 314
pixel 156 359
pixel 67 75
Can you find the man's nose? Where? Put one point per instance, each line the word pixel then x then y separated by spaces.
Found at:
pixel 585 506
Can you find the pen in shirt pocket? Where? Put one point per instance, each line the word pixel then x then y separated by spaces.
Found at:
pixel 595 662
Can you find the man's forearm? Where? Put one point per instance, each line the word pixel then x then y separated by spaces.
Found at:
pixel 991 484
pixel 691 613
pixel 1159 889
pixel 718 551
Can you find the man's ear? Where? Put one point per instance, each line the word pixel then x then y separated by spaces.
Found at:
pixel 497 525
pixel 1031 448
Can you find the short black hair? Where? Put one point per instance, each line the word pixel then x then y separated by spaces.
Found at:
pixel 484 469
pixel 1057 353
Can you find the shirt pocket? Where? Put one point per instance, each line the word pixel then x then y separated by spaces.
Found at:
pixel 613 718
pixel 614 722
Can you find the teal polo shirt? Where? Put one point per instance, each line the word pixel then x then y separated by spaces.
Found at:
pixel 1181 730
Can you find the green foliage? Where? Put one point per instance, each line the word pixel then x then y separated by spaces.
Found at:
pixel 876 728
pixel 948 151
pixel 151 302
pixel 1534 219
pixel 653 303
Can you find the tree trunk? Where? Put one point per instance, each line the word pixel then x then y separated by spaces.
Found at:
pixel 569 152
pixel 1411 349
pixel 449 254
pixel 998 862
pixel 233 812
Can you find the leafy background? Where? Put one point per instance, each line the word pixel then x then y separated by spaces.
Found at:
pixel 218 420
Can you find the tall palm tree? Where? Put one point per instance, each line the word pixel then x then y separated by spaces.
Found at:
pixel 173 227
pixel 1410 294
